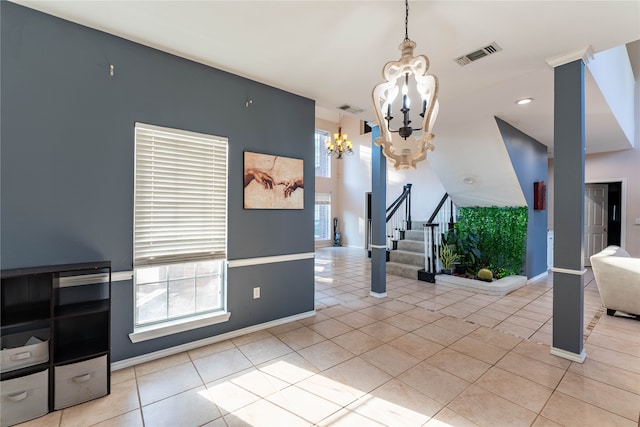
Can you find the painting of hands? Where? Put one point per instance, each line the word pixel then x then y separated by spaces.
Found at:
pixel 273 182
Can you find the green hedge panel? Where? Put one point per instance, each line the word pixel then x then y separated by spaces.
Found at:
pixel 502 235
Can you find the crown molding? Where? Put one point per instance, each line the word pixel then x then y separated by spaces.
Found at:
pixel 585 54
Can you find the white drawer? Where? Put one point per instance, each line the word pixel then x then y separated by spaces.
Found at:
pixel 15 354
pixel 80 382
pixel 24 398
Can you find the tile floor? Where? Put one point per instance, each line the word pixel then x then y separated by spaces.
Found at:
pixel 426 355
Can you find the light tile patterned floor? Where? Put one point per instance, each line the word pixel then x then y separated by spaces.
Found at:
pixel 426 355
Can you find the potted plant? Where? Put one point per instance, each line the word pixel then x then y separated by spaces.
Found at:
pixel 449 258
pixel 466 245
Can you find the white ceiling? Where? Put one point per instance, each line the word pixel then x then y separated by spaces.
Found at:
pixel 334 51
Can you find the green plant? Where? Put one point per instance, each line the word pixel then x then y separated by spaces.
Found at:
pixel 502 236
pixel 448 256
pixel 465 241
pixel 499 272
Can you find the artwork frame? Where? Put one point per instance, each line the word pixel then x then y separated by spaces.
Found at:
pixel 539 196
pixel 272 182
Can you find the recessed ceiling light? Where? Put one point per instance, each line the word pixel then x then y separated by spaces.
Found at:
pixel 469 180
pixel 524 101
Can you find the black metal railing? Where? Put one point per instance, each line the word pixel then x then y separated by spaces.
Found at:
pixel 441 220
pixel 398 219
pixel 403 200
pixel 437 209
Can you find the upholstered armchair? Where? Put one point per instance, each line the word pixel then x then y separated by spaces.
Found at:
pixel 617 275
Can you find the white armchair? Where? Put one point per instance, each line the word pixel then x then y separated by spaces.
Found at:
pixel 618 278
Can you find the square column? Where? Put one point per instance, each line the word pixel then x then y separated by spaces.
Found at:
pixel 378 218
pixel 568 268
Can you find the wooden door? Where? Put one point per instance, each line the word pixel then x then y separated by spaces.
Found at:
pixel 595 219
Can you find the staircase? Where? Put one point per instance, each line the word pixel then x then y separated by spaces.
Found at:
pixel 406 238
pixel 409 257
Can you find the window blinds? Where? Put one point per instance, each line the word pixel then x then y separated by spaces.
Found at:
pixel 323 160
pixel 180 196
pixel 323 199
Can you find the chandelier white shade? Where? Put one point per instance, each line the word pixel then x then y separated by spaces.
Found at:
pixel 404 79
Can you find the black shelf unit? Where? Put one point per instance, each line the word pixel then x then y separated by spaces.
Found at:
pixel 67 308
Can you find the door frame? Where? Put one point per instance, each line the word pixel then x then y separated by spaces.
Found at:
pixel 623 203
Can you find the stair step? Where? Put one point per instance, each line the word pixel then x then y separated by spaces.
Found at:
pixel 418 225
pixel 414 235
pixel 403 270
pixel 411 245
pixel 407 257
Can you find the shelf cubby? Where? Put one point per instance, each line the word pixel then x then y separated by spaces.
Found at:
pixel 62 313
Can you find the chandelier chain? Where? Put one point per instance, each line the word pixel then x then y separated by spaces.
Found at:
pixel 406 20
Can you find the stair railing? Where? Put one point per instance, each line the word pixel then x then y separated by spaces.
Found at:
pixel 440 222
pixel 398 219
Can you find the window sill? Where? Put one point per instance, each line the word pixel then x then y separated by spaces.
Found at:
pixel 173 327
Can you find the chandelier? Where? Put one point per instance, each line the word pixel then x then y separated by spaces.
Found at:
pixel 407 77
pixel 341 145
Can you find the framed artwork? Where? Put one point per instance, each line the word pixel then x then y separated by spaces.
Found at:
pixel 273 182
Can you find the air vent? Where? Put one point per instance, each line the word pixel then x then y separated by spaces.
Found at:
pixel 351 109
pixel 477 54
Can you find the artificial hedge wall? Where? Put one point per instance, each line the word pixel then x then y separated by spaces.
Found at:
pixel 502 236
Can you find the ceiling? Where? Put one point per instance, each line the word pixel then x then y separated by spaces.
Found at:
pixel 334 51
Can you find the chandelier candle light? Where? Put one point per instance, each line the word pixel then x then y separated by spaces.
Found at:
pixel 407 77
pixel 341 145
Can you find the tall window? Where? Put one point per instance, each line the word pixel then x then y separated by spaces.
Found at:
pixel 322 217
pixel 323 160
pixel 180 223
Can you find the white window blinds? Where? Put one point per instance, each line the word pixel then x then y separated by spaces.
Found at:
pixel 323 160
pixel 323 199
pixel 180 196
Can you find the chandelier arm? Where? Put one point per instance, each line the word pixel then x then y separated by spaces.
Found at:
pixel 433 107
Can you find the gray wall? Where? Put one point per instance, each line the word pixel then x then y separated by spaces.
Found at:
pixel 529 159
pixel 67 162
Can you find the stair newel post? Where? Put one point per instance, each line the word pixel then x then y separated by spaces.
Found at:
pixel 408 206
pixel 429 272
pixel 438 245
pixel 432 248
pixel 440 222
pixel 395 232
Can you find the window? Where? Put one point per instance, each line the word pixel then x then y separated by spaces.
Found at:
pixel 180 223
pixel 322 217
pixel 323 160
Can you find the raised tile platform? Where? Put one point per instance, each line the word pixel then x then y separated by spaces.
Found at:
pixel 497 287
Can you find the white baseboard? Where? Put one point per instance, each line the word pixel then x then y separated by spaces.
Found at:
pixel 575 357
pixel 148 357
pixel 538 277
pixel 378 294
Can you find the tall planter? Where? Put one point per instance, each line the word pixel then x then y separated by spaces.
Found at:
pixel 502 235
